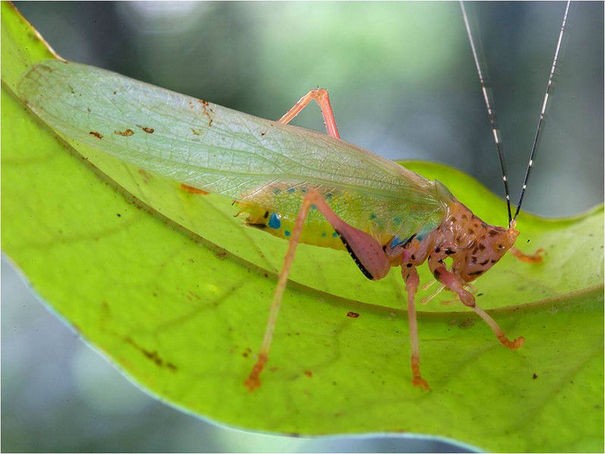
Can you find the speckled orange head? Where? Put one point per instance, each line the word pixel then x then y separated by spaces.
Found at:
pixel 491 245
pixel 477 245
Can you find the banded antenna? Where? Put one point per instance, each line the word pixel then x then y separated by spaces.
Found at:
pixel 492 117
pixel 491 114
pixel 534 147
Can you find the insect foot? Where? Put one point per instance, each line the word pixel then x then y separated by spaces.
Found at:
pixel 536 257
pixel 417 380
pixel 513 345
pixel 421 383
pixel 253 380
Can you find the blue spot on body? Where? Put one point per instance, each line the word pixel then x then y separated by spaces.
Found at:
pixel 396 241
pixel 373 216
pixel 397 220
pixel 286 232
pixel 334 235
pixel 274 221
pixel 291 190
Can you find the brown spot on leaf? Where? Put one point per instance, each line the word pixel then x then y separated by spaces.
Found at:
pixel 352 314
pixel 152 355
pixel 192 190
pixel 192 295
pixel 105 306
pixel 146 175
pixel 126 133
pixel 147 129
pixel 221 254
pixel 207 111
pixel 309 373
pixel 466 323
pixel 98 135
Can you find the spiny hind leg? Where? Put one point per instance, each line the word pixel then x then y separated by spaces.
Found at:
pixel 410 276
pixel 536 257
pixel 320 96
pixel 453 283
pixel 365 250
pixel 253 380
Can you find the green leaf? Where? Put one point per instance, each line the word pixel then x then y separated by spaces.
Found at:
pixel 174 290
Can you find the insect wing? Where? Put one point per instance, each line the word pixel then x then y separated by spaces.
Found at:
pixel 221 150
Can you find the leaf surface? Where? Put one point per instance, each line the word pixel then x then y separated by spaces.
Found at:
pixel 174 290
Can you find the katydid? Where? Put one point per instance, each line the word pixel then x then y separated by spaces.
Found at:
pixel 298 184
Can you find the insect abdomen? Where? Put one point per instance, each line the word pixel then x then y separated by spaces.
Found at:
pixel 316 231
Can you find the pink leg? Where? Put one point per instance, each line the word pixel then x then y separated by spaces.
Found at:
pixel 410 275
pixel 451 282
pixel 320 96
pixel 536 257
pixel 365 250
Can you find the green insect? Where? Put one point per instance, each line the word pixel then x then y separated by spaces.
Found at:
pixel 295 183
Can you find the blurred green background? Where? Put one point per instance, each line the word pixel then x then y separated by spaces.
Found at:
pixel 402 83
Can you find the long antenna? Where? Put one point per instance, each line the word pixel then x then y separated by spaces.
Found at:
pixel 542 112
pixel 491 116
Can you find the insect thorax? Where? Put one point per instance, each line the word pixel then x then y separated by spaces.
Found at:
pixel 472 245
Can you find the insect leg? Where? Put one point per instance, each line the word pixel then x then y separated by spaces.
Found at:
pixel 365 250
pixel 453 283
pixel 410 276
pixel 536 257
pixel 320 96
pixel 428 298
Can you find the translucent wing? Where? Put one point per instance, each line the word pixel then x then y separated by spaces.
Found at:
pixel 221 150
